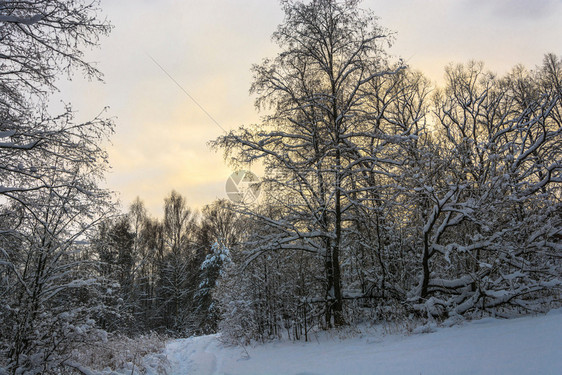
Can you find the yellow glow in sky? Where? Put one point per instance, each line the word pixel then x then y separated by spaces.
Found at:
pixel 209 46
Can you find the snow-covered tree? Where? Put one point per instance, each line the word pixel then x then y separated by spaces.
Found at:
pixel 178 272
pixel 328 91
pixel 444 206
pixel 50 167
pixel 212 268
pixel 50 281
pixel 488 197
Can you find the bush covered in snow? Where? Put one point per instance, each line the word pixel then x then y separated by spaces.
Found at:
pixel 122 354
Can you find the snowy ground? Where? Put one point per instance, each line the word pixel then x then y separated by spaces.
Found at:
pixel 531 345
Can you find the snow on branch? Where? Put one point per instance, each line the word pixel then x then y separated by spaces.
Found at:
pixel 26 21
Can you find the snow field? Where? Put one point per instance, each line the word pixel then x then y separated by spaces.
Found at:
pixel 529 345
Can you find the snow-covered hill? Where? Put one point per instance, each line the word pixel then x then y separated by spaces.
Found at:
pixel 530 345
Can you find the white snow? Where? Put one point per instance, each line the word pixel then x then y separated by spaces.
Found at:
pixel 529 345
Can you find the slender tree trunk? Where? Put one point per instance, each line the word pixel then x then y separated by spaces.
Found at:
pixel 337 306
pixel 329 283
pixel 425 265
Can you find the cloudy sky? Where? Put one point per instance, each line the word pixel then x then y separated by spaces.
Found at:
pixel 208 47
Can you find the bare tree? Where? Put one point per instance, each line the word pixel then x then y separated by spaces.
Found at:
pixel 51 282
pixel 489 196
pixel 49 173
pixel 328 125
pixel 178 274
pixel 39 41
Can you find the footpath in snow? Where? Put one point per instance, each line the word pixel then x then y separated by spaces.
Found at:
pixel 529 345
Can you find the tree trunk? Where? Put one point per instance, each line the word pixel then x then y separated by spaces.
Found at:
pixel 337 306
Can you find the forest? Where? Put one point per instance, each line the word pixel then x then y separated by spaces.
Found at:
pixel 384 198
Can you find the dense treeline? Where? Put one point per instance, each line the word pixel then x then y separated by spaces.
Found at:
pixel 159 274
pixel 388 198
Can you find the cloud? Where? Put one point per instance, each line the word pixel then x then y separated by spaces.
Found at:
pixel 521 9
pixel 208 47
